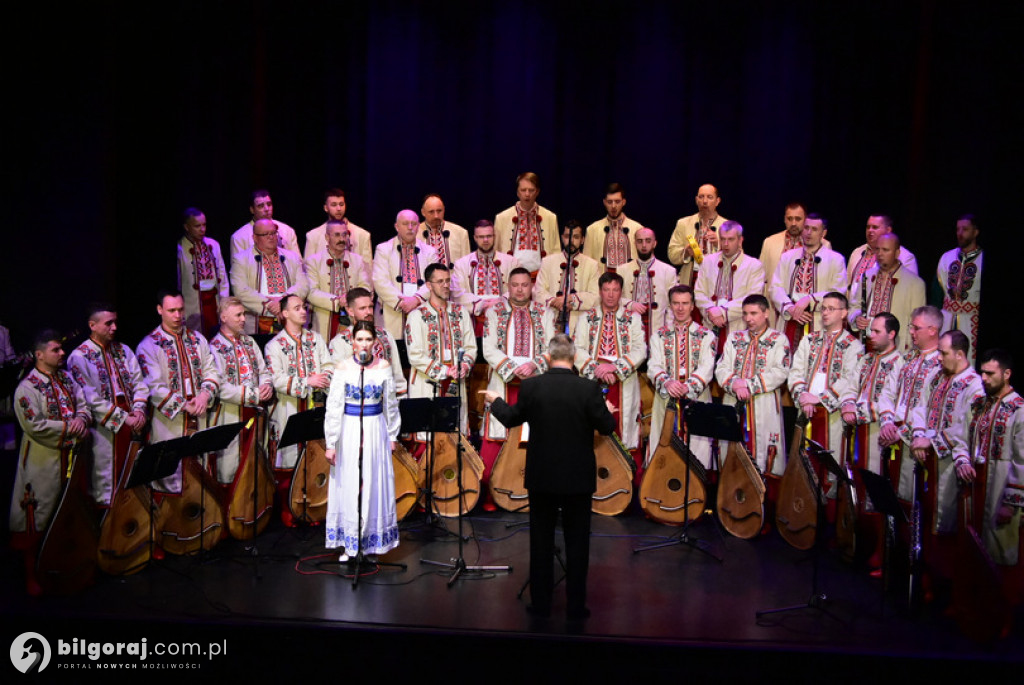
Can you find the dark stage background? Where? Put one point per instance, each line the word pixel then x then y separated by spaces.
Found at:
pixel 120 115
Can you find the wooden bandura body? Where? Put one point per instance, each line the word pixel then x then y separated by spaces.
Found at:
pixel 407 481
pixel 125 545
pixel 663 493
pixel 445 481
pixel 67 557
pixel 254 474
pixel 740 494
pixel 615 471
pixel 507 484
pixel 797 511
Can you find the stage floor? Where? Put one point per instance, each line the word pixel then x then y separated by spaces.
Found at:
pixel 658 611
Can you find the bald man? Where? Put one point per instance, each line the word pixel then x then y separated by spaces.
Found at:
pixel 450 241
pixel 890 287
pixel 646 282
pixel 703 227
pixel 398 273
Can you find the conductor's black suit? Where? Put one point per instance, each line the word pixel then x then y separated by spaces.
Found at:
pixel 563 411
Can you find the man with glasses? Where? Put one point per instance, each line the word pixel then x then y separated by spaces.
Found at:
pixel 262 275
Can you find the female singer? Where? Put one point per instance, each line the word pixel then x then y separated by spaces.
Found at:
pixel 361 426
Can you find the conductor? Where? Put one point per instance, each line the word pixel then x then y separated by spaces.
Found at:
pixel 563 411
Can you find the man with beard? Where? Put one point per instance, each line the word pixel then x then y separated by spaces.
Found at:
pixel 608 239
pixel 790 238
pixel 959 274
pixel 480 279
pixel 996 437
pixel 646 282
pixel 567 281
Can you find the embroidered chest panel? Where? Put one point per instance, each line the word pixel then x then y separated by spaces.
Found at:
pixel 945 391
pixel 504 323
pixel 682 349
pixel 609 335
pixel 111 370
pixel 240 367
pixel 991 424
pixel 183 356
pixel 752 353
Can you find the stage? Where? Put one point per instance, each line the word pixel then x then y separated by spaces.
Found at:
pixel 289 609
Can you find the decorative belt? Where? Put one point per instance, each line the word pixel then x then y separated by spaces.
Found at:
pixel 367 409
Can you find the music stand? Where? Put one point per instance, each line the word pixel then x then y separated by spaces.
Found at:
pixel 303 427
pixel 706 419
pixel 817 598
pixel 430 416
pixel 884 500
pixel 161 459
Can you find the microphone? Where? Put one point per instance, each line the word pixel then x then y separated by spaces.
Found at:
pixel 364 358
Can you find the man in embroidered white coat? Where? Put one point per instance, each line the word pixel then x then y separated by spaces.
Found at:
pixel 904 391
pixel 398 267
pixel 610 347
pixel 182 378
pixel 940 422
pixel 996 437
pixel 609 240
pixel 646 281
pixel 754 364
pixel 261 276
pixel 865 256
pixel 245 384
pixel 450 241
pixel 52 412
pixel 111 381
pixel 480 279
pixel 802 279
pixel 202 276
pixel 331 272
pixel 360 308
pixel 823 379
pixel 262 207
pixel 299 365
pixel 526 230
pixel 724 281
pixel 702 227
pixel 891 287
pixel 359 240
pixel 516 336
pixel 440 341
pixel 959 274
pixel 681 366
pixel 569 270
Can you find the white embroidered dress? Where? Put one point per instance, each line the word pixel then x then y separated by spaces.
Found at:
pixel 374 398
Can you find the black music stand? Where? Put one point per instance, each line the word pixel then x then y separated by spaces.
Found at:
pixel 303 427
pixel 817 598
pixel 161 459
pixel 430 416
pixel 710 420
pixel 884 500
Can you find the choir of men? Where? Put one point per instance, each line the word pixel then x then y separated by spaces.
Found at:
pixel 914 386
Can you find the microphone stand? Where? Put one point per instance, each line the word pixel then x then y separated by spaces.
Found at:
pixel 564 315
pixel 458 565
